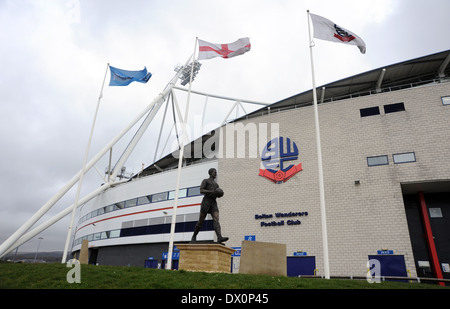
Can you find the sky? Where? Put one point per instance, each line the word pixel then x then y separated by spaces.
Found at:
pixel 54 56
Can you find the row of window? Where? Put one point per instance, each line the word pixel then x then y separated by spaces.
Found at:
pixel 147 199
pixel 397 158
pixel 389 108
pixel 392 108
pixel 180 227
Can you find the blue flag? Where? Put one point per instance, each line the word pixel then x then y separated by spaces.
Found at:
pixel 124 78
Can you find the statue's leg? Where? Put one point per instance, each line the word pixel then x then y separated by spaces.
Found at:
pixel 217 228
pixel 198 226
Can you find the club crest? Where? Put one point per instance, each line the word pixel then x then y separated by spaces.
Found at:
pixel 276 158
pixel 343 35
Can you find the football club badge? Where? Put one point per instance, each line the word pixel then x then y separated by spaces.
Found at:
pixel 276 158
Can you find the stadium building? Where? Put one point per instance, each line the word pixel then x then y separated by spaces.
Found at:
pixel 386 164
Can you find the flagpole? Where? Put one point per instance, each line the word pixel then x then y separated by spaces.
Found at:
pixel 319 162
pixel 83 170
pixel 180 164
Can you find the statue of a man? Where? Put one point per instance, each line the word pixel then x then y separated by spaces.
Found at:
pixel 210 189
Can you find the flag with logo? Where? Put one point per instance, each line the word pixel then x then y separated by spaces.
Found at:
pixel 325 29
pixel 209 50
pixel 124 78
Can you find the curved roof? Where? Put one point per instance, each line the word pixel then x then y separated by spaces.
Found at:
pixel 397 76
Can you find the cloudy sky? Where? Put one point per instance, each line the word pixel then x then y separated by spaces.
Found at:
pixel 54 55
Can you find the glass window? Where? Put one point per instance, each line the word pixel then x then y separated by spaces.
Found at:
pixel 371 111
pixel 143 200
pixel 378 160
pixel 131 203
pixel 109 208
pixel 159 197
pixel 114 233
pixel 404 157
pixel 194 191
pixel 119 205
pixel 101 211
pixel 435 213
pixel 181 193
pixel 393 108
pixel 97 236
pixel 446 100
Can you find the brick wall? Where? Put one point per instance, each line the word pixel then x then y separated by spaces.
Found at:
pixel 362 218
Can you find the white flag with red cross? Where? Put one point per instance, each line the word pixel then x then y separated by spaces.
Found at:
pixel 211 50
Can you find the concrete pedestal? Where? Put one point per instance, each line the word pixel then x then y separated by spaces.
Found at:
pixel 205 257
pixel 263 258
pixel 84 252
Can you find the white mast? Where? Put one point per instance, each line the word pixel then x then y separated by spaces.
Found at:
pixel 83 170
pixel 319 163
pixel 180 163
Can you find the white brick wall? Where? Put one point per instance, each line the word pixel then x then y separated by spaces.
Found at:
pixel 361 218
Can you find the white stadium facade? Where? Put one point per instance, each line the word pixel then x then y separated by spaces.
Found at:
pixel 386 164
pixel 385 148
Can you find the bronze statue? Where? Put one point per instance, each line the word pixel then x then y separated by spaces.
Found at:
pixel 210 189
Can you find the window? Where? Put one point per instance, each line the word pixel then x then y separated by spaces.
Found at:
pixel 446 100
pixel 435 213
pixel 159 197
pixel 143 200
pixel 97 236
pixel 393 108
pixel 371 111
pixel 194 191
pixel 378 160
pixel 114 233
pixel 404 157
pixel 131 203
pixel 181 193
pixel 119 205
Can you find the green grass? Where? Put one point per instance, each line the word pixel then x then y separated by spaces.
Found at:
pixel 53 276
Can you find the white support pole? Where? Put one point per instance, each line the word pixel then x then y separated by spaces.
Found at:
pixel 83 171
pixel 319 163
pixel 45 225
pixel 167 141
pixel 158 103
pixel 180 163
pixel 242 106
pixel 204 112
pixel 161 129
pixel 229 113
pixel 47 206
pixel 132 145
pixel 222 97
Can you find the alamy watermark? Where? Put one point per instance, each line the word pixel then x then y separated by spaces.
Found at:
pixel 74 274
pixel 373 271
pixel 235 140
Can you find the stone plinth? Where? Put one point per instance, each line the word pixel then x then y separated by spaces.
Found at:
pixel 205 257
pixel 263 258
pixel 84 252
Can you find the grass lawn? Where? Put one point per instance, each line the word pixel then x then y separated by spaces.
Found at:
pixel 53 276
